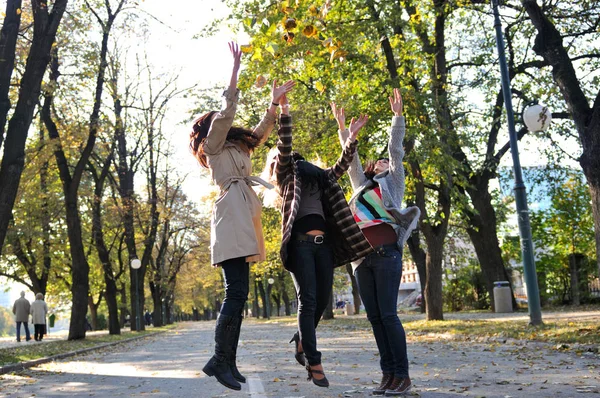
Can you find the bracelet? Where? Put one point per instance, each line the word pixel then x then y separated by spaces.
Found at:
pixel 272 103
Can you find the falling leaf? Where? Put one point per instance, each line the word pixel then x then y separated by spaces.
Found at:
pixel 309 31
pixel 260 81
pixel 290 24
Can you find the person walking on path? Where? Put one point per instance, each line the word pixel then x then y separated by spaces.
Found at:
pixel 21 309
pixel 376 204
pixel 39 309
pixel 318 232
pixel 236 231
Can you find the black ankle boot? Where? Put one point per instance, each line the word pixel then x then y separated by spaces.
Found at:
pixel 218 365
pixel 234 370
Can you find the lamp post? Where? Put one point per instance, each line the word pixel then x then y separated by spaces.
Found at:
pixel 270 282
pixel 533 294
pixel 135 266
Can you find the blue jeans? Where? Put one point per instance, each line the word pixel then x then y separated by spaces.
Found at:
pixel 236 273
pixel 378 278
pixel 27 335
pixel 311 266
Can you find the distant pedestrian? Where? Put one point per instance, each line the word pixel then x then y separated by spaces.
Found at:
pixel 148 318
pixel 21 310
pixel 376 204
pixel 39 309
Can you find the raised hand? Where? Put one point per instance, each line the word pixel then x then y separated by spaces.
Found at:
pixel 237 57
pixel 356 125
pixel 340 115
pixel 278 91
pixel 396 103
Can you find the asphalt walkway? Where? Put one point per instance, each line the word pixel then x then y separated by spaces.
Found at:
pixel 169 365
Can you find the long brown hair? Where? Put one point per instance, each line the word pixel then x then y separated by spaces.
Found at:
pixel 369 168
pixel 200 130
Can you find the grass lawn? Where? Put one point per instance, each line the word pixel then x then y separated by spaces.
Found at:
pixel 32 351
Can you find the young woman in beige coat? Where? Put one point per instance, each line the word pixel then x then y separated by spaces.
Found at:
pixel 236 231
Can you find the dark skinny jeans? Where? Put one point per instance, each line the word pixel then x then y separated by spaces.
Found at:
pixel 311 266
pixel 378 278
pixel 236 273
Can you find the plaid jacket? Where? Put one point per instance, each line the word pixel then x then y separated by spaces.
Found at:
pixel 347 240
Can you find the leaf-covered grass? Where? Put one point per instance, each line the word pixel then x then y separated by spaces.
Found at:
pixel 557 331
pixel 30 351
pixel 563 332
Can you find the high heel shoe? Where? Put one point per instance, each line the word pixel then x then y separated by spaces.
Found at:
pixel 318 382
pixel 298 355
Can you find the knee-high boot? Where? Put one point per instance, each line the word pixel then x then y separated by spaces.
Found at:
pixel 234 370
pixel 218 365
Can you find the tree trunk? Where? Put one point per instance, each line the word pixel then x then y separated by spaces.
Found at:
pixel 8 45
pixel 157 315
pixel 263 296
pixel 328 314
pixel 549 45
pixel 355 293
pixel 433 284
pixel 576 261
pixel 284 294
pixel 123 306
pixel 482 231
pixel 45 26
pixel 420 258
pixel 255 306
pixel 101 248
pixel 93 312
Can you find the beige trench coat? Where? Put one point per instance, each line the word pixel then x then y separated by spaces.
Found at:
pixel 236 229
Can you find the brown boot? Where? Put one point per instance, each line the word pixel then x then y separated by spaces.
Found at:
pixel 400 386
pixel 386 382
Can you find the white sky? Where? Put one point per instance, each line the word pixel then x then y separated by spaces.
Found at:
pixel 173 48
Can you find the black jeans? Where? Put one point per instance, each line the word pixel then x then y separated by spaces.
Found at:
pixel 378 278
pixel 236 272
pixel 311 266
pixel 39 331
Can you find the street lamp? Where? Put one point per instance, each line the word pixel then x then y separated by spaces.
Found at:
pixel 270 282
pixel 533 294
pixel 537 117
pixel 135 265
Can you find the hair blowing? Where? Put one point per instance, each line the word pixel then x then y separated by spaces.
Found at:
pixel 200 130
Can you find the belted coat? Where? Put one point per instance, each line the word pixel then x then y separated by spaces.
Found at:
pixel 236 229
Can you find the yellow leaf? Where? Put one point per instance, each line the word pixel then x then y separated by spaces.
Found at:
pixel 260 81
pixel 246 48
pixel 320 87
pixel 309 31
pixel 18 11
pixel 313 10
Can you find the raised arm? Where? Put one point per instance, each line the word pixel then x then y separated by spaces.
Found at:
pixel 222 121
pixel 349 148
pixel 265 126
pixel 397 132
pixel 355 170
pixel 283 163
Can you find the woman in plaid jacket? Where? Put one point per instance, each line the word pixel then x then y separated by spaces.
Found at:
pixel 318 232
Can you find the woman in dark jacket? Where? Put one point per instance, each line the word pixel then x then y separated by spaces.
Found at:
pixel 376 204
pixel 318 233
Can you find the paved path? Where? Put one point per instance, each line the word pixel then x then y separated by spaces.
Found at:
pixel 169 365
